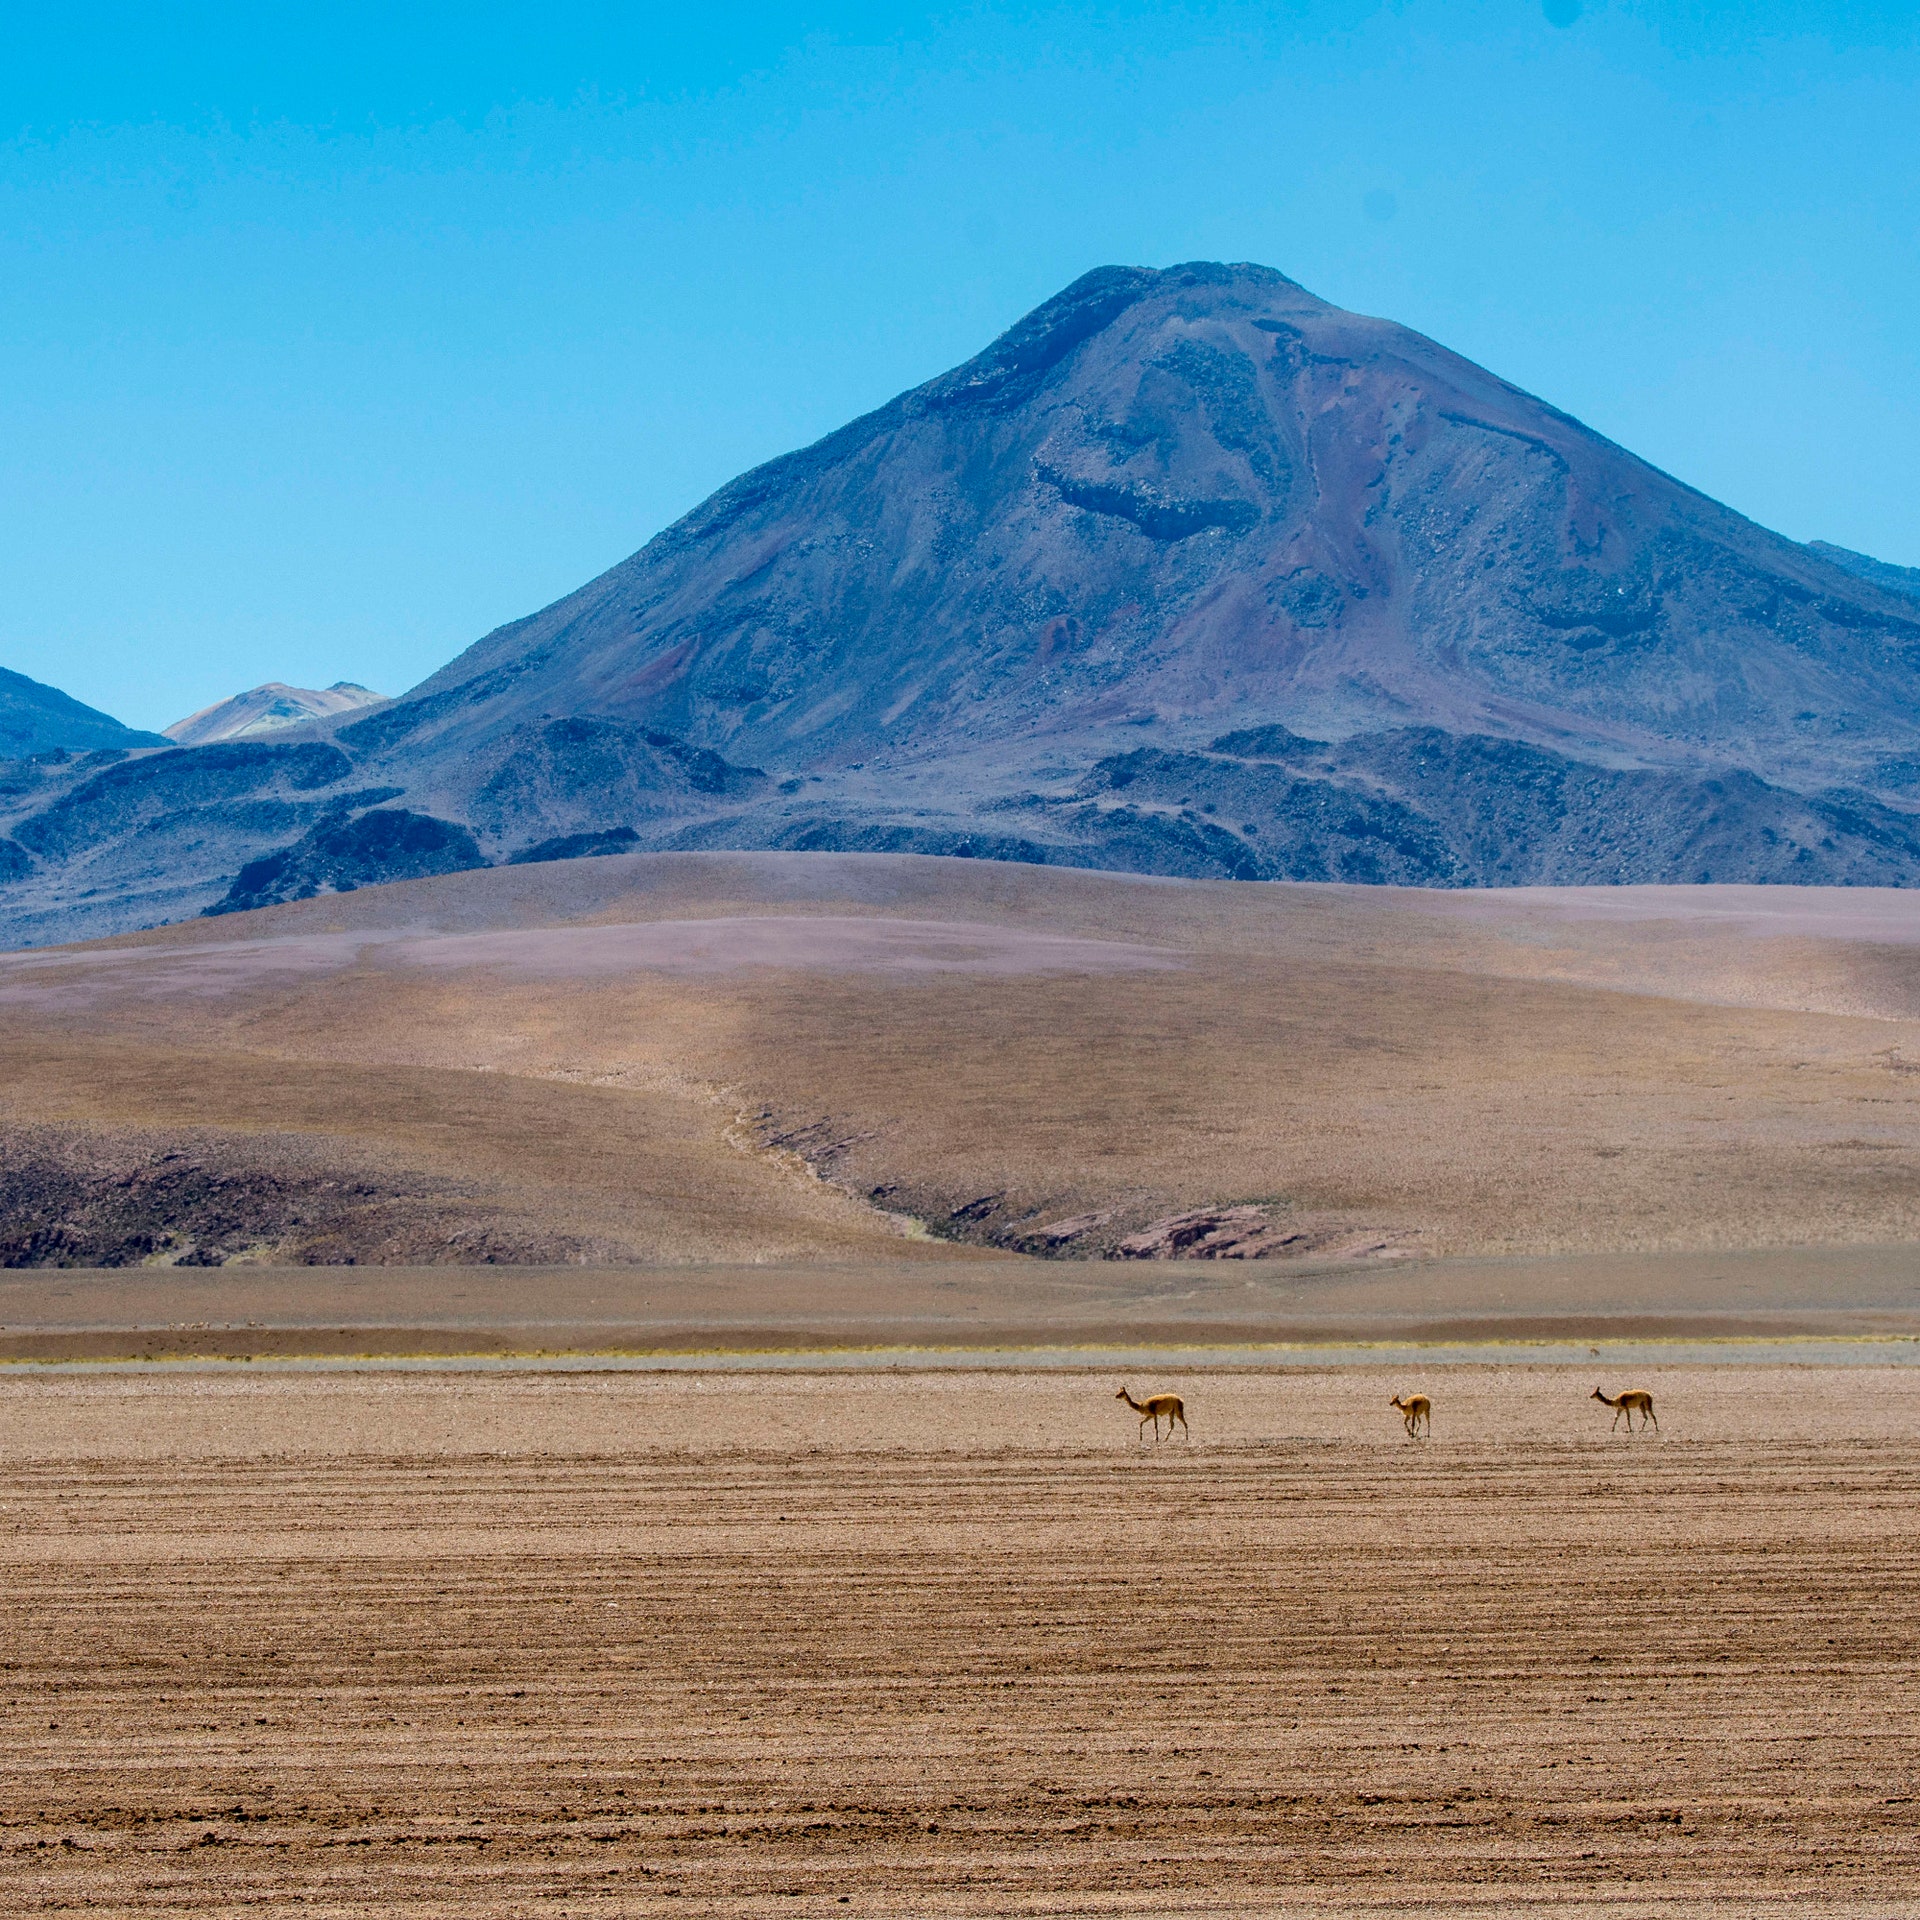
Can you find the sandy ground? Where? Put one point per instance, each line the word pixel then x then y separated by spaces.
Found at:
pixel 958 1644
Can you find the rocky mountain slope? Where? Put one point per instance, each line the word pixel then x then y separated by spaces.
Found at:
pixel 36 719
pixel 1189 572
pixel 267 709
pixel 1863 566
pixel 1167 499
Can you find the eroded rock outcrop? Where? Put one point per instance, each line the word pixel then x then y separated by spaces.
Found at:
pixel 341 855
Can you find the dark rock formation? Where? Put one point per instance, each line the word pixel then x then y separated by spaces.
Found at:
pixel 70 1197
pixel 166 791
pixel 578 846
pixel 573 776
pixel 151 837
pixel 342 854
pixel 1418 806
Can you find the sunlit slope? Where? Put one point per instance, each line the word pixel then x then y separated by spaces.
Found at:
pixel 800 1056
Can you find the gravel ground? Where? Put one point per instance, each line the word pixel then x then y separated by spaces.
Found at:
pixel 958 1643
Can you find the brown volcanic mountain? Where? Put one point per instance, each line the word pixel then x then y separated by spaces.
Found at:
pixel 1193 498
pixel 1189 572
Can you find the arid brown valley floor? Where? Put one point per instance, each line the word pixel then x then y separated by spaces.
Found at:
pixel 525 1642
pixel 954 1643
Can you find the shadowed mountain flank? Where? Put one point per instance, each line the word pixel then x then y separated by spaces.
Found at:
pixel 37 719
pixel 341 855
pixel 1863 566
pixel 1038 608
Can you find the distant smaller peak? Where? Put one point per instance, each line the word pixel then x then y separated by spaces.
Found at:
pixel 266 709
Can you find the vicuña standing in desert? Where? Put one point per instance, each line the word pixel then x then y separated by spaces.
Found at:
pixel 1414 1412
pixel 1633 1401
pixel 1156 1407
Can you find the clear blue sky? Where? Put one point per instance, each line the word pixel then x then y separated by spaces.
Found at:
pixel 332 335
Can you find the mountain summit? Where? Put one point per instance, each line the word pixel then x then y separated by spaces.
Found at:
pixel 1188 572
pixel 267 709
pixel 1181 500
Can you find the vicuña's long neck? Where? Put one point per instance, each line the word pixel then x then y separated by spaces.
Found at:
pixel 1131 1401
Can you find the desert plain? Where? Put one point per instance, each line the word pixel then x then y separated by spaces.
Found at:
pixel 959 1642
pixel 591 1389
